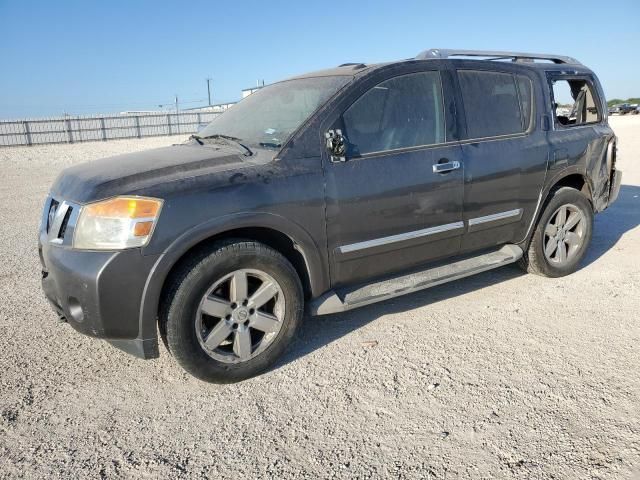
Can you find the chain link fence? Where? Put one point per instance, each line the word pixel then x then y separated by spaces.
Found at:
pixel 73 129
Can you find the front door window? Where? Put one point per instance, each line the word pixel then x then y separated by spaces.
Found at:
pixel 402 112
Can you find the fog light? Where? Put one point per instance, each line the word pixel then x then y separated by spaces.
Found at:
pixel 75 310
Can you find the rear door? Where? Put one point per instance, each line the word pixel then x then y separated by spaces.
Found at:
pixel 396 202
pixel 505 154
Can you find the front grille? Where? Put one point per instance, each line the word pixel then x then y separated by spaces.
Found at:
pixel 65 222
pixel 60 220
pixel 51 214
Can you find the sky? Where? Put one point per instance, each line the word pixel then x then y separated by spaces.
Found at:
pixel 84 57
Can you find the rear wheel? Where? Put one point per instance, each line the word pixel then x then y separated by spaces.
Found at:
pixel 562 235
pixel 231 312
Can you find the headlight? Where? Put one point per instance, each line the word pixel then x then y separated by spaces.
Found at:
pixel 117 223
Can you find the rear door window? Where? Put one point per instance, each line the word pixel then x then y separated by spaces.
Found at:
pixel 495 103
pixel 402 112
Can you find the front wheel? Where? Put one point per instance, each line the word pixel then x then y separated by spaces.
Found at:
pixel 562 235
pixel 231 312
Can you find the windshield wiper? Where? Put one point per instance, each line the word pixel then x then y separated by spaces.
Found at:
pixel 197 139
pixel 270 144
pixel 228 140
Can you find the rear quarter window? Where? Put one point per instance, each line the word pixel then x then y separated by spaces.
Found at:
pixel 574 102
pixel 495 103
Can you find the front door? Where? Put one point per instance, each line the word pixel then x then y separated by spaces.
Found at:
pixel 396 201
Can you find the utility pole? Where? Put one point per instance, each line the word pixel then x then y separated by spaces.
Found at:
pixel 177 114
pixel 209 89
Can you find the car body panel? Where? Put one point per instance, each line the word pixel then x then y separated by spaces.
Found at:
pixel 503 175
pixel 392 195
pixel 392 202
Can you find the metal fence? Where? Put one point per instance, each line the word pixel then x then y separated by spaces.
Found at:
pixel 72 129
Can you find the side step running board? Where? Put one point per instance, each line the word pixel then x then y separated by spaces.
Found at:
pixel 334 302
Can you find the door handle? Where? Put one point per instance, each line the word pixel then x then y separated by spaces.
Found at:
pixel 446 167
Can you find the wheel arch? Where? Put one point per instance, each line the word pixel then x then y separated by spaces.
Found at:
pixel 275 231
pixel 574 180
pixel 570 177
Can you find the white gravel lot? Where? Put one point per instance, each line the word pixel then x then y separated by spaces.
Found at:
pixel 502 375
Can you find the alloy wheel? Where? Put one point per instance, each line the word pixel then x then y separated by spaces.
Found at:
pixel 564 234
pixel 240 315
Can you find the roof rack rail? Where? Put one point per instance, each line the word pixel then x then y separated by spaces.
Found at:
pixel 355 65
pixel 515 56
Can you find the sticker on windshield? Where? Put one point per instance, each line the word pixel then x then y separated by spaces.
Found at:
pixel 270 131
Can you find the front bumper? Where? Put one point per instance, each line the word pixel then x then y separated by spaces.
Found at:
pixel 99 293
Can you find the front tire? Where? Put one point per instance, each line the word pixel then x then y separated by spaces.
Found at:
pixel 562 235
pixel 230 312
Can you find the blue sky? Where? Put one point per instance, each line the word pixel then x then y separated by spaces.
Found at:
pixel 106 56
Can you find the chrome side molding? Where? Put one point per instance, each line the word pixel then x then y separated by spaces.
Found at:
pixel 494 220
pixel 515 214
pixel 376 242
pixel 478 223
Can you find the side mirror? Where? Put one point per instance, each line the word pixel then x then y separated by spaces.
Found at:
pixel 336 144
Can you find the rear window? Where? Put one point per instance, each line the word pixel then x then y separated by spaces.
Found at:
pixel 495 103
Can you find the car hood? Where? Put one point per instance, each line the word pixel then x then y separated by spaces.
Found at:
pixel 128 173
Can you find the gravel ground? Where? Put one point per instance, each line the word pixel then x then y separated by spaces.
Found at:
pixel 499 375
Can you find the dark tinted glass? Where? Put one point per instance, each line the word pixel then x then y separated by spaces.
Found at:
pixel 526 100
pixel 405 111
pixel 491 103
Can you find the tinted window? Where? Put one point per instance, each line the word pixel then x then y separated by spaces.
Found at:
pixel 491 104
pixel 525 95
pixel 405 111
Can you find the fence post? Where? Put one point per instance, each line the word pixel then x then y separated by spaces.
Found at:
pixel 27 131
pixel 67 123
pixel 104 130
pixel 138 126
pixel 199 121
pixel 169 123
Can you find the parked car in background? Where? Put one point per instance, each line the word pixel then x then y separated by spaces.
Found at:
pixel 330 191
pixel 625 108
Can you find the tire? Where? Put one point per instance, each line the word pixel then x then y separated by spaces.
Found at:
pixel 204 302
pixel 573 240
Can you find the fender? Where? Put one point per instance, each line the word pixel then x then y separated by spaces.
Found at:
pixel 550 181
pixel 304 243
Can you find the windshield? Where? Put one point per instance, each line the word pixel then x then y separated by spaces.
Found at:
pixel 269 116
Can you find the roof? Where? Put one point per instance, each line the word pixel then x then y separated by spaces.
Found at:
pixel 550 62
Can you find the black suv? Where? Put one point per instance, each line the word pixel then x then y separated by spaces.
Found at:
pixel 334 189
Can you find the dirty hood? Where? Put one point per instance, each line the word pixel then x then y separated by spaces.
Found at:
pixel 128 173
